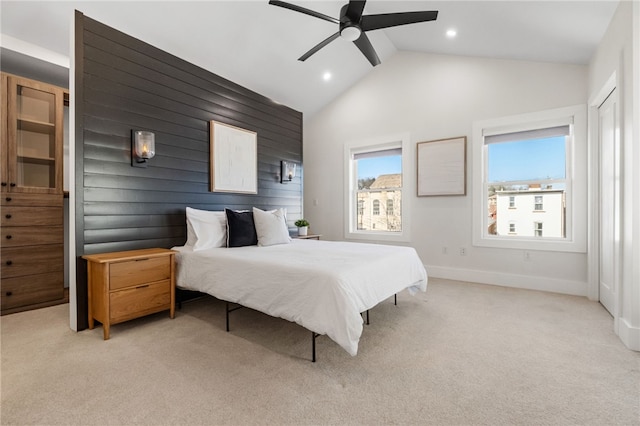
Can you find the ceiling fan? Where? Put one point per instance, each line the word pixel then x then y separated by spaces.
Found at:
pixel 353 25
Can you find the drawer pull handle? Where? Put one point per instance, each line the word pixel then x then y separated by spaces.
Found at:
pixel 12 184
pixel 143 286
pixel 140 260
pixel 8 216
pixel 9 293
pixel 3 183
pixel 8 237
pixel 9 263
pixel 8 198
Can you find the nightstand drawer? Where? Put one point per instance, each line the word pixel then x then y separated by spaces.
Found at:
pixel 139 271
pixel 143 300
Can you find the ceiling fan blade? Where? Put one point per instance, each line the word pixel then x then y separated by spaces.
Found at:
pixel 319 46
pixel 367 49
pixel 386 20
pixel 304 10
pixel 354 11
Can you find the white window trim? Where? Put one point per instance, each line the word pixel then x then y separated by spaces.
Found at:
pixel 408 187
pixel 576 238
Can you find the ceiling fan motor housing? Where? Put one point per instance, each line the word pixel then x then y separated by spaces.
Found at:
pixel 349 30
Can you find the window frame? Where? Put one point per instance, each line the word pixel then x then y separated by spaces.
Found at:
pixel 390 208
pixel 536 203
pixel 538 227
pixel 402 140
pixel 575 239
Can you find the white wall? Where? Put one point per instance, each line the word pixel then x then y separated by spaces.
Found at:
pixel 619 55
pixel 434 97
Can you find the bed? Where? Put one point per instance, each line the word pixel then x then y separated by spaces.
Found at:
pixel 247 258
pixel 323 286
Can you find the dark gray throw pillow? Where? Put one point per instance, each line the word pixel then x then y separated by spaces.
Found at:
pixel 241 230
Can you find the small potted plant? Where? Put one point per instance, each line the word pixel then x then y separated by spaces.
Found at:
pixel 303 227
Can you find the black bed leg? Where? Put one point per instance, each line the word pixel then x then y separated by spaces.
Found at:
pixel 395 299
pixel 313 346
pixel 227 309
pixel 367 317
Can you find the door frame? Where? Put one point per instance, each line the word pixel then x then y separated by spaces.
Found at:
pixel 593 255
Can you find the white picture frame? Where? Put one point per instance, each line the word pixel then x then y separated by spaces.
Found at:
pixel 234 159
pixel 442 167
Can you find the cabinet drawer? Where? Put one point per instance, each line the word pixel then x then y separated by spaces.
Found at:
pixel 31 200
pixel 27 216
pixel 19 261
pixel 138 301
pixel 21 291
pixel 140 271
pixel 18 236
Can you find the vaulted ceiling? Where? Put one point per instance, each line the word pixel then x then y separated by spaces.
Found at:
pixel 257 45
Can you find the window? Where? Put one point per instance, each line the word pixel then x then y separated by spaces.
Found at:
pixel 374 196
pixel 537 162
pixel 537 229
pixel 538 201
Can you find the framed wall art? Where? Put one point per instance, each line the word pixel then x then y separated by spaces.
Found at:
pixel 442 167
pixel 234 159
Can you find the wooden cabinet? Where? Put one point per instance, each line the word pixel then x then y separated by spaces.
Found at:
pixel 32 240
pixel 130 284
pixel 33 136
pixel 32 268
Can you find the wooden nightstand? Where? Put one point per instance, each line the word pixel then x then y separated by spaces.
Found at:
pixel 308 237
pixel 129 284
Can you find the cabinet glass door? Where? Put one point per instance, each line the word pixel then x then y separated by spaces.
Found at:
pixel 34 137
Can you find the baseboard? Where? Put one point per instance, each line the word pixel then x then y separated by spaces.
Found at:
pixel 629 335
pixel 554 285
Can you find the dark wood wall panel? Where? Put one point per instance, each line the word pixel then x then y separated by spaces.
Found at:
pixel 123 84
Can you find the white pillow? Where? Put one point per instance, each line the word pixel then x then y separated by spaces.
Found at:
pixel 206 229
pixel 271 227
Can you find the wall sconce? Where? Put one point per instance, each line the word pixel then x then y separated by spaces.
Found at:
pixel 287 171
pixel 143 147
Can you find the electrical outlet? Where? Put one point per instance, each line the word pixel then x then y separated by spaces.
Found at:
pixel 463 251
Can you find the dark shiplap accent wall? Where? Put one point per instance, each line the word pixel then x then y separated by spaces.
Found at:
pixel 123 84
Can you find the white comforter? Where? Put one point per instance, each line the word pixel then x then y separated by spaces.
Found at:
pixel 321 285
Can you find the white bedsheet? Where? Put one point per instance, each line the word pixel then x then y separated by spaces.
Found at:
pixel 321 285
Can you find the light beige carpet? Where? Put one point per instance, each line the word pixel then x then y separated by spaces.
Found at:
pixel 459 354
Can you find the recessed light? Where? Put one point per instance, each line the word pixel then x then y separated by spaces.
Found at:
pixel 326 76
pixel 451 33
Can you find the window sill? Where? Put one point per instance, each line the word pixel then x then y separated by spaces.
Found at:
pixel 377 236
pixel 531 243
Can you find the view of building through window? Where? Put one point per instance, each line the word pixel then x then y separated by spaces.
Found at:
pixel 527 187
pixel 379 190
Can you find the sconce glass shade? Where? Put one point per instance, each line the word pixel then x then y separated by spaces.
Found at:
pixel 143 147
pixel 287 171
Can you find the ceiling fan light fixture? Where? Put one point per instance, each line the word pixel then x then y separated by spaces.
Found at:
pixel 350 32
